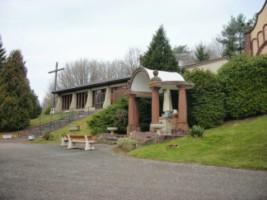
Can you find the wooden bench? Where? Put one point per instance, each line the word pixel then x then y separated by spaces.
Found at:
pixel 84 139
pixel 64 140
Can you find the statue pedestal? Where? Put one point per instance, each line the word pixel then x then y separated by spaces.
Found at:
pixel 167 121
pixel 156 128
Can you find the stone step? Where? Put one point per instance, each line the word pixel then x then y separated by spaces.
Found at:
pixel 57 124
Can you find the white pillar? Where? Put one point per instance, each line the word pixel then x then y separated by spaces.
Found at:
pixel 59 104
pixel 167 102
pixel 73 102
pixel 89 102
pixel 107 101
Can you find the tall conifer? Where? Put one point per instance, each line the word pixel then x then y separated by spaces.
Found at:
pixel 201 53
pixel 2 54
pixel 233 36
pixel 15 96
pixel 159 54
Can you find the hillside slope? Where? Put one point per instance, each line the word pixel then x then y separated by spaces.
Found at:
pixel 237 144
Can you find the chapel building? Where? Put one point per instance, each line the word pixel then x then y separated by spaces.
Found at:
pixel 92 96
pixel 256 37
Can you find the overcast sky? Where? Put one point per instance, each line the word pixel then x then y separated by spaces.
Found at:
pixel 47 31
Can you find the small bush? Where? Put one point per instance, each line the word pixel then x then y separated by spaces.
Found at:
pixel 196 130
pixel 96 130
pixel 127 144
pixel 48 136
pixel 47 110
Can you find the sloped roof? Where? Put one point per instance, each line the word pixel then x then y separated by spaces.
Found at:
pixel 141 78
pixel 165 76
pixel 92 85
pixel 203 63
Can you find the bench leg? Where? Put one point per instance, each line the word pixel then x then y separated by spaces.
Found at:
pixel 92 146
pixel 89 146
pixel 70 145
pixel 64 142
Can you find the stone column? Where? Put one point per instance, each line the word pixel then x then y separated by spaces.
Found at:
pixel 182 124
pixel 107 101
pixel 155 105
pixel 73 102
pixel 59 104
pixel 89 102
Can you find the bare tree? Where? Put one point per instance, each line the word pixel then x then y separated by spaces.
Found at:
pixel 98 71
pixel 49 97
pixel 85 71
pixel 75 73
pixel 132 60
pixel 215 49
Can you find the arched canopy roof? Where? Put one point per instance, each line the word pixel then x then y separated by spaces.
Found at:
pixel 141 77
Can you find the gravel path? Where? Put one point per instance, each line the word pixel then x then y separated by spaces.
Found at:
pixel 51 172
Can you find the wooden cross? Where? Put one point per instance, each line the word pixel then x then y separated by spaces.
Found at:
pixel 55 84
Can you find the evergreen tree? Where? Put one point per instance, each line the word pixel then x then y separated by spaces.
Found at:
pixel 201 53
pixel 2 54
pixel 159 54
pixel 37 109
pixel 16 104
pixel 233 38
pixel 183 55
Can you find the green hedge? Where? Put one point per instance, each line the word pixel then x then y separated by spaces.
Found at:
pixel 115 115
pixel 244 81
pixel 205 100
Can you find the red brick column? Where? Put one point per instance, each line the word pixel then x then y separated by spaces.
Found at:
pixel 155 105
pixel 182 110
pixel 133 114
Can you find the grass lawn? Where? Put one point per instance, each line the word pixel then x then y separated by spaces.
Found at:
pixel 43 119
pixel 84 129
pixel 237 144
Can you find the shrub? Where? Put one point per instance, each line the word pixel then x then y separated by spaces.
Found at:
pixel 48 136
pixel 196 130
pixel 96 130
pixel 47 110
pixel 244 81
pixel 127 144
pixel 115 115
pixel 205 100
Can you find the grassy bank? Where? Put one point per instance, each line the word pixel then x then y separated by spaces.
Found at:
pixel 43 119
pixel 237 144
pixel 84 129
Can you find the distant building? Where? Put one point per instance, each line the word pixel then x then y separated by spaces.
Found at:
pixel 256 37
pixel 211 65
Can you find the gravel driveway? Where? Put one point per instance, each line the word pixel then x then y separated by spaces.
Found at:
pixel 41 171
